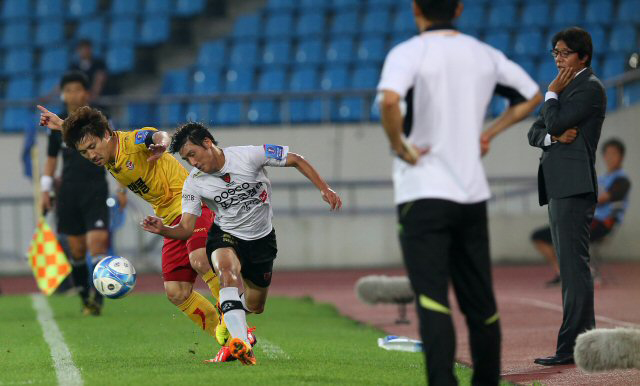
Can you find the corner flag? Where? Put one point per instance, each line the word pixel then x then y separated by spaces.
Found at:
pixel 47 259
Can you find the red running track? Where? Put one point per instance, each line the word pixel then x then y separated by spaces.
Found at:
pixel 530 313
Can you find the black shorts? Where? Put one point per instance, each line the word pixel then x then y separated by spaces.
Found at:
pixel 598 231
pixel 82 207
pixel 256 256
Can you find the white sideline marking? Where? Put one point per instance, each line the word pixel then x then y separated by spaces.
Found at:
pixel 272 350
pixel 66 370
pixel 555 307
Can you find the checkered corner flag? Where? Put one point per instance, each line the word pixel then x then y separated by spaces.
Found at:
pixel 47 259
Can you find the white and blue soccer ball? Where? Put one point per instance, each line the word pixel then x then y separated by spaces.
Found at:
pixel 114 277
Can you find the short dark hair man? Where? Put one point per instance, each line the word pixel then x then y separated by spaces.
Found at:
pixel 94 68
pixel 441 190
pixel 568 131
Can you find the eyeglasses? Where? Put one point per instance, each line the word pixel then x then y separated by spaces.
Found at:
pixel 565 54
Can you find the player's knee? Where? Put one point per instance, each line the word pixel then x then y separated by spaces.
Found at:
pixel 229 276
pixel 178 295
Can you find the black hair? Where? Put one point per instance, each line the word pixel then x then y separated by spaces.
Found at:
pixel 577 40
pixel 82 122
pixel 441 11
pixel 615 142
pixel 193 131
pixel 73 77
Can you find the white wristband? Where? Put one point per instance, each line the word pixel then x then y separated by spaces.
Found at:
pixel 46 183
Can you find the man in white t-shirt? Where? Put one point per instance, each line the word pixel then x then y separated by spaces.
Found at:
pixel 241 244
pixel 447 80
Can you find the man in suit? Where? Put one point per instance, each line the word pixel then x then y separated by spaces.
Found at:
pixel 568 130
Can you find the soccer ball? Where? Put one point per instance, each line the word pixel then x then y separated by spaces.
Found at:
pixel 114 277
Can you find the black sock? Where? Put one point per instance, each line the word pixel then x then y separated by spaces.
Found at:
pixel 80 276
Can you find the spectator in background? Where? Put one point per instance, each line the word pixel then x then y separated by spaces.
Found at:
pixel 94 68
pixel 612 202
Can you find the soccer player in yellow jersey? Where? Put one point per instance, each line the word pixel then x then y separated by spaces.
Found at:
pixel 138 160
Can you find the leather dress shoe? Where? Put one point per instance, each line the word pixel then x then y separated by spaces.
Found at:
pixel 555 360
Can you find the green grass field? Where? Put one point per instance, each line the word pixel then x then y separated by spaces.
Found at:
pixel 144 340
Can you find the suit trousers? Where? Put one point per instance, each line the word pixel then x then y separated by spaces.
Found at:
pixel 570 219
pixel 444 241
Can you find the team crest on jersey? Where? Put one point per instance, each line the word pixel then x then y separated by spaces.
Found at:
pixel 129 165
pixel 273 151
pixel 226 178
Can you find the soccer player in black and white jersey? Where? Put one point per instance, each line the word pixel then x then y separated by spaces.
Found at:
pixel 242 241
pixel 447 79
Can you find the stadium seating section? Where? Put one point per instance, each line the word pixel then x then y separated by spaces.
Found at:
pixel 286 54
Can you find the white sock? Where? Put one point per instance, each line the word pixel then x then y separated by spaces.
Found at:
pixel 235 319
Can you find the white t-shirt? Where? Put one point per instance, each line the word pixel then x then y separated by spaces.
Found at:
pixel 452 77
pixel 239 193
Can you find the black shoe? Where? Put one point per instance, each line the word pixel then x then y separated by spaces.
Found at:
pixel 554 282
pixel 555 360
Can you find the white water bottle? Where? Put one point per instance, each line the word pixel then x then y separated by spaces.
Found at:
pixel 400 343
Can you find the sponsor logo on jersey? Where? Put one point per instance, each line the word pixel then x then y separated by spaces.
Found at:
pixel 189 197
pixel 240 194
pixel 129 165
pixel 226 178
pixel 138 187
pixel 273 151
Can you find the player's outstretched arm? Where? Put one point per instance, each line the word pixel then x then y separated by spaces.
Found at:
pixel 304 167
pixel 49 119
pixel 161 142
pixel 181 231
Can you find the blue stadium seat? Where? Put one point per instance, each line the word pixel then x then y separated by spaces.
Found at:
pixel 279 24
pixel 631 94
pixel 306 110
pixel 240 79
pixel 122 30
pixel 120 58
pixel 18 61
pixel 372 49
pixel 54 60
pixel 16 9
pixel 48 83
pixel 229 113
pixel 473 16
pixel 212 54
pixel 345 23
pixel 599 11
pixel 598 36
pixel 310 24
pixel 403 21
pixel 91 29
pixel 567 13
pixel 50 9
pixel 614 64
pixel 247 26
pixel 629 11
pixel 49 32
pixel 307 5
pixel 623 38
pixel 140 114
pixel 310 51
pixel 263 112
pixel 200 112
pixel 176 82
pixel 20 88
pixel 273 80
pixel 171 114
pixel 207 81
pixel 378 4
pixel 16 34
pixel 277 51
pixel 497 105
pixel 186 8
pixel 345 4
pixel 125 7
pixel 528 43
pixel 17 118
pixel 400 37
pixel 340 50
pixel 80 9
pixel 535 14
pixel 365 78
pixel 348 109
pixel 304 79
pixel 281 5
pixel 335 78
pixel 500 40
pixel 158 7
pixel 527 63
pixel 612 99
pixel 155 30
pixel 502 15
pixel 547 71
pixel 244 52
pixel 376 22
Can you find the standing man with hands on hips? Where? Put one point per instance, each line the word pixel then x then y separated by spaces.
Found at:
pixel 568 130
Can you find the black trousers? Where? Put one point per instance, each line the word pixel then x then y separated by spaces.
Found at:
pixel 570 219
pixel 442 241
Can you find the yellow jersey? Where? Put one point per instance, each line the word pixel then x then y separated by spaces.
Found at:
pixel 158 183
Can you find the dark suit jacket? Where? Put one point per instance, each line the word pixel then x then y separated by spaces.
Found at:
pixel 569 169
